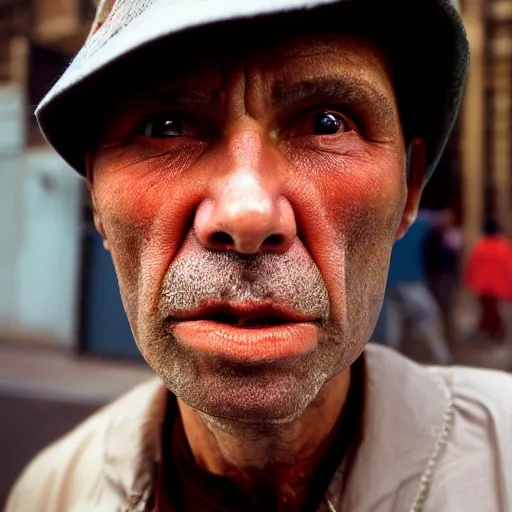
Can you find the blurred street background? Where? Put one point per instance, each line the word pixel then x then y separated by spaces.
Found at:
pixel 65 344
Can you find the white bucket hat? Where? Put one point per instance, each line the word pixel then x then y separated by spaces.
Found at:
pixel 429 45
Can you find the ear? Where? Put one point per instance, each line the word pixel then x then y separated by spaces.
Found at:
pixel 98 223
pixel 416 172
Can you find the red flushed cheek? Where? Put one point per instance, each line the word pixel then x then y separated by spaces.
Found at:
pixel 354 205
pixel 136 181
pixel 144 212
pixel 366 177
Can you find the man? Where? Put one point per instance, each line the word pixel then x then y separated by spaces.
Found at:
pixel 251 164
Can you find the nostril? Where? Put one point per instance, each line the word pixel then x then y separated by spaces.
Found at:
pixel 274 240
pixel 221 238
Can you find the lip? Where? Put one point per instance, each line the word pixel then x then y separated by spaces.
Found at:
pixel 247 345
pixel 248 333
pixel 243 313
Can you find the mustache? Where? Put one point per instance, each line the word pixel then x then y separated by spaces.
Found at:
pixel 291 279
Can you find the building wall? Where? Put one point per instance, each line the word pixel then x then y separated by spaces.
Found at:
pixel 39 243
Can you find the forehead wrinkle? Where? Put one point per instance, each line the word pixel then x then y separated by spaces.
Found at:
pixel 176 98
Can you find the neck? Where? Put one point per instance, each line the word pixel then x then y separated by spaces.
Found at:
pixel 284 456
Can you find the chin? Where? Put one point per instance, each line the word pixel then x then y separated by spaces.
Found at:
pixel 269 393
pixel 266 401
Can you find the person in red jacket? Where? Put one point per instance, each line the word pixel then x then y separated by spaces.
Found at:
pixel 489 275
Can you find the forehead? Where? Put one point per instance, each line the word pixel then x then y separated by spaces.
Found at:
pixel 350 61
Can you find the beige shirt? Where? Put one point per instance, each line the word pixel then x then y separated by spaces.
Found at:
pixel 435 439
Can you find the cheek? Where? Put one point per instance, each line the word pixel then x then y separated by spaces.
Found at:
pixel 349 223
pixel 136 181
pixel 144 211
pixel 364 175
pixel 363 189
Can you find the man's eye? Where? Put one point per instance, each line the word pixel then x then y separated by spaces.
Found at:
pixel 329 123
pixel 164 126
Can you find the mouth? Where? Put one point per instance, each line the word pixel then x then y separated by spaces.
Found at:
pixel 259 320
pixel 247 333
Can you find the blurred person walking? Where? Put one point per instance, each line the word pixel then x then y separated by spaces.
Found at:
pixel 441 250
pixel 488 274
pixel 410 306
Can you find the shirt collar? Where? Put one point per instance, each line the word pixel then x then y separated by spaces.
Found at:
pixel 405 411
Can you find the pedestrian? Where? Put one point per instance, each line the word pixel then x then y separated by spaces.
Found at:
pixel 250 165
pixel 441 254
pixel 411 310
pixel 489 275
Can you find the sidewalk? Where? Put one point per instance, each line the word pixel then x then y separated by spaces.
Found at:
pixel 43 395
pixel 52 375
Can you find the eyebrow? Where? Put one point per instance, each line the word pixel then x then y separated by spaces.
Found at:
pixel 340 89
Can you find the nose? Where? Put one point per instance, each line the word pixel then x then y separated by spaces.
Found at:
pixel 246 216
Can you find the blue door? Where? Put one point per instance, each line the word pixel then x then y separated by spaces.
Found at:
pixel 106 331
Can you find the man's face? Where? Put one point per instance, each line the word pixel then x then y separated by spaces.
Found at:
pixel 250 204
